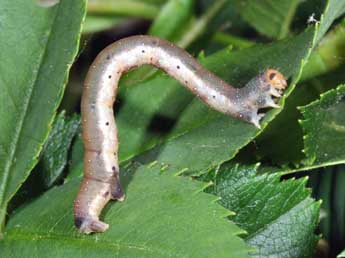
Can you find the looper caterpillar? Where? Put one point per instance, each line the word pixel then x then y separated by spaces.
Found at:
pixel 101 173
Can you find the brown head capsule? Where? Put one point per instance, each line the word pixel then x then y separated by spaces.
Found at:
pixel 101 170
pixel 276 79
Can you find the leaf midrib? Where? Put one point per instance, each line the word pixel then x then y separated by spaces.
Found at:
pixel 19 128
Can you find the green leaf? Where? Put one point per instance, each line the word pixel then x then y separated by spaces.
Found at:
pixel 269 17
pixel 55 151
pixel 324 128
pixel 39 45
pixel 321 132
pixel 282 141
pixel 279 217
pixel 163 216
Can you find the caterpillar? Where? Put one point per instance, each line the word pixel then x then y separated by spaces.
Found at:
pixel 101 181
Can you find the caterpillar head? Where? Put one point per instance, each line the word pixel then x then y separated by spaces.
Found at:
pixel 275 79
pixel 262 92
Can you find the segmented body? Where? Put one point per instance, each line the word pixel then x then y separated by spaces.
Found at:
pixel 101 170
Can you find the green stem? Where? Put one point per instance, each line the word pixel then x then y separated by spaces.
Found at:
pixel 155 2
pixel 123 7
pixel 235 41
pixel 2 221
pixel 94 24
pixel 199 26
pixel 285 28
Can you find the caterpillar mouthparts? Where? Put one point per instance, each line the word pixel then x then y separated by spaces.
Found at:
pixel 101 181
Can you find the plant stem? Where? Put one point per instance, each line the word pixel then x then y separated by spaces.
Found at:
pixel 199 25
pixel 2 221
pixel 123 7
pixel 235 41
pixel 285 28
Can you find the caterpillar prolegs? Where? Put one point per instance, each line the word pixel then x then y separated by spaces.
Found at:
pixel 101 170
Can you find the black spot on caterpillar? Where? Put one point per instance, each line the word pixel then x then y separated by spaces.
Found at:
pixel 101 169
pixel 78 221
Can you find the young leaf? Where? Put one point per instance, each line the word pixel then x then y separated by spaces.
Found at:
pixel 54 153
pixel 279 217
pixel 39 45
pixel 163 216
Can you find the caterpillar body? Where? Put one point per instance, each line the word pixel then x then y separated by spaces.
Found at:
pixel 101 170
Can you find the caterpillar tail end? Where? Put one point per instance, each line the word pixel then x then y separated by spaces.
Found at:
pixel 89 225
